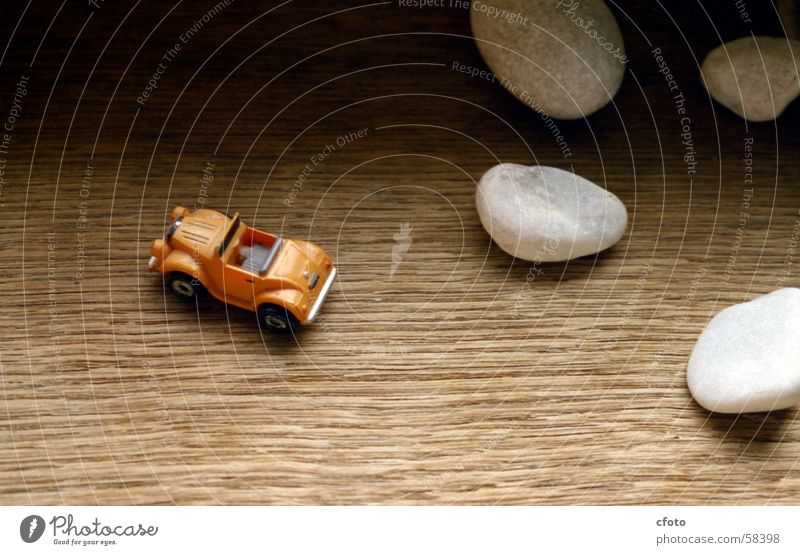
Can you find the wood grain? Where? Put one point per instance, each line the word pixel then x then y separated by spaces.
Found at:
pixel 461 377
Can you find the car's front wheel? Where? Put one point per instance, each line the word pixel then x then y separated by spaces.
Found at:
pixel 276 319
pixel 186 288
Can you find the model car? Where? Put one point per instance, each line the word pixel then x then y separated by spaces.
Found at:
pixel 283 280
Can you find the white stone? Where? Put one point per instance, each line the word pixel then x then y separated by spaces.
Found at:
pixel 564 58
pixel 756 77
pixel 546 214
pixel 748 357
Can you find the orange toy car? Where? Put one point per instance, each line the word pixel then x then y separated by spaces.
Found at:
pixel 284 281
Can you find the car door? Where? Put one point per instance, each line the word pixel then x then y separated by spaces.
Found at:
pixel 240 286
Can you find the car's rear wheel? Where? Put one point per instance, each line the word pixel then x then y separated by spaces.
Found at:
pixel 186 288
pixel 276 319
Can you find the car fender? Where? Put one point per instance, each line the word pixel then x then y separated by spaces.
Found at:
pixel 180 261
pixel 290 299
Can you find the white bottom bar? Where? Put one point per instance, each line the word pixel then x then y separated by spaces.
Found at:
pixel 406 530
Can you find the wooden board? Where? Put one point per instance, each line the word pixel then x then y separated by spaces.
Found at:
pixel 441 370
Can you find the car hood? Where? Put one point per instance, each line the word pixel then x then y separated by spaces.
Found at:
pixel 299 262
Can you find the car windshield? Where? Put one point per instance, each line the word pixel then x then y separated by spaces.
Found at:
pixel 229 234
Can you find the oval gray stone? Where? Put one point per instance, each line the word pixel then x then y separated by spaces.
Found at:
pixel 564 58
pixel 755 77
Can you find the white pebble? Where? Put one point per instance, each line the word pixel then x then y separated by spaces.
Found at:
pixel 546 214
pixel 748 357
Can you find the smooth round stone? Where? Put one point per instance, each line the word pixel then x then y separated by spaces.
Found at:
pixel 755 77
pixel 546 214
pixel 748 357
pixel 564 58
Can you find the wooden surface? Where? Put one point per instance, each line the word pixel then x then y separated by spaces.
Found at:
pixel 459 375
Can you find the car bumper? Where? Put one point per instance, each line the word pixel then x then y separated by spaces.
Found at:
pixel 321 297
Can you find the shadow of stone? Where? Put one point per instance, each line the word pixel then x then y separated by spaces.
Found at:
pixel 759 433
